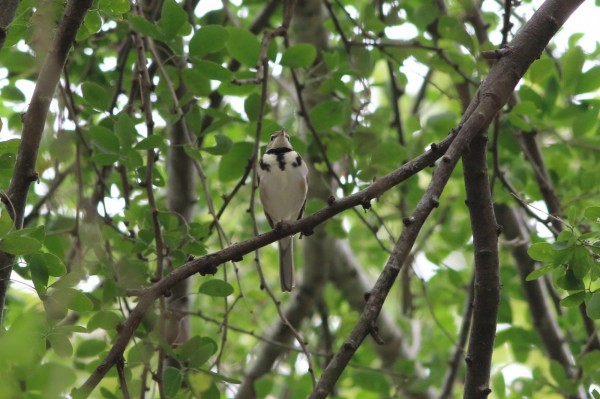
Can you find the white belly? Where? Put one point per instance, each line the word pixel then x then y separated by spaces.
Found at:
pixel 283 192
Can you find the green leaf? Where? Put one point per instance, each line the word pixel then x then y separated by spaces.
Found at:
pixel 6 223
pixel 195 248
pixel 233 163
pixel 582 262
pixel 243 46
pixel 299 55
pixel 569 282
pixel 222 147
pixel 73 299
pixel 105 320
pixel 90 348
pixel 150 142
pixel 172 381
pixel 95 95
pixel 573 299
pixel 217 288
pixel 145 27
pixel 212 70
pixel 173 17
pixel 540 271
pixel 56 267
pixel 61 344
pixel 591 361
pixel 105 144
pixel 114 6
pixel 51 379
pixel 252 106
pixel 541 251
pixel 196 82
pixel 572 64
pixel 593 306
pixel 39 272
pixel 589 81
pixel 125 130
pixel 558 373
pixel 9 146
pixel 13 94
pixel 208 39
pixel 17 244
pixel 592 214
pixel 197 350
pixel 327 114
pixel 92 22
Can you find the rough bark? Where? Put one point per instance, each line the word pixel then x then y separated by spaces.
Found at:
pixel 486 283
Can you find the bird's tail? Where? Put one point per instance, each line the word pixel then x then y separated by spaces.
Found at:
pixel 286 263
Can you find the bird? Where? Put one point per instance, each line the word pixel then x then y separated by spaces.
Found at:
pixel 283 186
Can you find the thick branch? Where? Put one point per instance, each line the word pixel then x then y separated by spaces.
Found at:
pixel 33 126
pixel 486 285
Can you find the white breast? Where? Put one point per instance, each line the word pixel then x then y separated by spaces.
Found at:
pixel 283 192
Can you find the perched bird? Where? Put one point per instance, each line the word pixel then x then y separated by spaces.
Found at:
pixel 282 186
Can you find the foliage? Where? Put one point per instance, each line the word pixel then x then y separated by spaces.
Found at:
pixel 91 244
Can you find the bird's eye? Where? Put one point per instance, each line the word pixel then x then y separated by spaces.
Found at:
pixel 272 137
pixel 287 136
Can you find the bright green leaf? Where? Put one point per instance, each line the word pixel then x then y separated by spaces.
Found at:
pixel 593 306
pixel 114 6
pixel 173 17
pixel 208 39
pixel 212 70
pixel 19 245
pixel 540 271
pixel 592 214
pixel 244 46
pixel 573 299
pixel 299 55
pixel 10 146
pixel 541 251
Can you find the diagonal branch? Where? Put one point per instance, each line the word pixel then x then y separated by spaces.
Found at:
pixel 493 93
pixel 208 264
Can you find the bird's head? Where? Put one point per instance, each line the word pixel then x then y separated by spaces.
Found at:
pixel 279 139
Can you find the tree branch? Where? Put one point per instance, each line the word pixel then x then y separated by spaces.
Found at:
pixel 493 93
pixel 208 264
pixel 33 127
pixel 486 283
